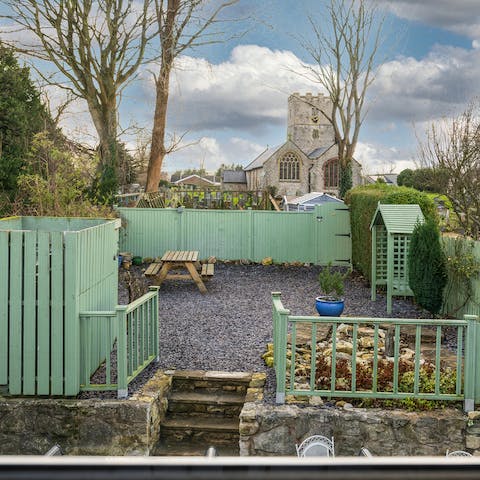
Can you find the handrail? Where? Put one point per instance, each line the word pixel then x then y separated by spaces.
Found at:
pixel 132 329
pixel 285 352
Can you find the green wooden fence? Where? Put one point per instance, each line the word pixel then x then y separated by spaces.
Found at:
pixel 286 359
pixel 318 237
pixel 50 269
pixel 131 331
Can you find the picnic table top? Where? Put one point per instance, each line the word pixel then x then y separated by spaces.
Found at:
pixel 180 256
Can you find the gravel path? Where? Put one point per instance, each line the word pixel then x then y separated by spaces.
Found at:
pixel 228 328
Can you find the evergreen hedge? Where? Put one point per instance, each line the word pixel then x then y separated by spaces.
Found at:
pixel 427 266
pixel 363 202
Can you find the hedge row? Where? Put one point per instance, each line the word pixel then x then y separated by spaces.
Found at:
pixel 363 202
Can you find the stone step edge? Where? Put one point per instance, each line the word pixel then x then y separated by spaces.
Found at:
pixel 217 399
pixel 207 424
pixel 214 376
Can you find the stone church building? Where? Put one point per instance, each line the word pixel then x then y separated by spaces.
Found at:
pixel 307 161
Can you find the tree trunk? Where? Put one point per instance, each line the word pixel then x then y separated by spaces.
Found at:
pixel 345 181
pixel 105 121
pixel 158 150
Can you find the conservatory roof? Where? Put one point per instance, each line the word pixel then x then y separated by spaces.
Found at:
pixel 398 218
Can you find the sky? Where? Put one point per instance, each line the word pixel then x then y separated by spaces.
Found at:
pixel 229 100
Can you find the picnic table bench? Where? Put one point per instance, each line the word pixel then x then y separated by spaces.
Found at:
pixel 174 259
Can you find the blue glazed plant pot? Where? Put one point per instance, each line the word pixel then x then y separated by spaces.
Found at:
pixel 329 308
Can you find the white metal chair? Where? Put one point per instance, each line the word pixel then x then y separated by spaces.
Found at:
pixel 364 452
pixel 458 453
pixel 316 446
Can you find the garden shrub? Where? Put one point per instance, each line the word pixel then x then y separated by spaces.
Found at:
pixel 427 266
pixel 463 267
pixel 385 373
pixel 363 202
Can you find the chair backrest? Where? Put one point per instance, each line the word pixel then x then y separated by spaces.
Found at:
pixel 364 452
pixel 316 446
pixel 458 453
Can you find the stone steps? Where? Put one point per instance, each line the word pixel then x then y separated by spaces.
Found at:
pixel 203 411
pixel 194 403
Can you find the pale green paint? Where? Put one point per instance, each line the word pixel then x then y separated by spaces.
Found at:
pixel 137 341
pixel 397 218
pixel 282 321
pixel 318 237
pixel 391 229
pixel 50 269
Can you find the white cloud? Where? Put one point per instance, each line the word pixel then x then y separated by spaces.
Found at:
pixel 247 92
pixel 378 159
pixel 460 16
pixel 407 89
pixel 210 153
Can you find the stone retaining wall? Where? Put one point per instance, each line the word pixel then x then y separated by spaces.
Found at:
pixel 274 430
pixel 85 427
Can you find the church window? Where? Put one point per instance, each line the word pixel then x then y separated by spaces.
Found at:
pixel 331 174
pixel 289 167
pixel 315 133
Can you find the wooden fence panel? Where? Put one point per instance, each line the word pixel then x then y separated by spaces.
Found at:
pixel 56 313
pixel 247 234
pixel 43 308
pixel 29 313
pixel 15 314
pixel 4 275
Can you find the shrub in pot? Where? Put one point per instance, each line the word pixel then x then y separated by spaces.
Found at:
pixel 332 284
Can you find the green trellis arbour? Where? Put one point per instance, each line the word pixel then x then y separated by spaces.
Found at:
pixel 392 227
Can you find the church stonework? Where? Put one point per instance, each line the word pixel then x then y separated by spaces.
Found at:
pixel 307 161
pixel 307 126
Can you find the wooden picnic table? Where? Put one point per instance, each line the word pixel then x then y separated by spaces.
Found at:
pixel 180 259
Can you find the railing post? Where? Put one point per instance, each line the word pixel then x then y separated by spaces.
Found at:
pixel 155 288
pixel 280 332
pixel 470 373
pixel 122 354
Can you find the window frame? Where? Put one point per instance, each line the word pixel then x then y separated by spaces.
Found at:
pixel 289 167
pixel 331 171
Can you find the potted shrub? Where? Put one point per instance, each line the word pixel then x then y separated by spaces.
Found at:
pixel 331 303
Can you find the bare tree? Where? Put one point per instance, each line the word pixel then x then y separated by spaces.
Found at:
pixel 343 65
pixel 182 24
pixel 97 46
pixel 452 150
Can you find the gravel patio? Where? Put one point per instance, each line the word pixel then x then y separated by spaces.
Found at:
pixel 228 328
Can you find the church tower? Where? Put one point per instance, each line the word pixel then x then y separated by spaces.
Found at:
pixel 307 127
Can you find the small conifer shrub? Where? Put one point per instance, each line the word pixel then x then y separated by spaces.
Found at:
pixel 427 266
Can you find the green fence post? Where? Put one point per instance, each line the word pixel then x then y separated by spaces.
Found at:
pixel 373 280
pixel 470 363
pixel 122 354
pixel 154 288
pixel 280 346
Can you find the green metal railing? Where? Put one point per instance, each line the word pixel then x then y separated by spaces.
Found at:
pixel 126 337
pixel 286 357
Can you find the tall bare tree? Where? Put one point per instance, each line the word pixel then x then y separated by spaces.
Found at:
pixel 343 57
pixel 452 149
pixel 97 46
pixel 182 24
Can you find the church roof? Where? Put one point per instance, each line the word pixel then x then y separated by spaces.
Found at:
pixel 318 151
pixel 262 158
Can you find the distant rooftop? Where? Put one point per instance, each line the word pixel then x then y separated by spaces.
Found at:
pixel 234 176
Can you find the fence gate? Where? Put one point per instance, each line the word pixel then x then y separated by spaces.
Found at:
pixel 333 236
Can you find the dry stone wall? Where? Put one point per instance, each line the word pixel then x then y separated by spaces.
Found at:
pixel 267 430
pixel 85 427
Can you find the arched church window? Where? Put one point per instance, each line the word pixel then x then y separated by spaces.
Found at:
pixel 289 167
pixel 331 174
